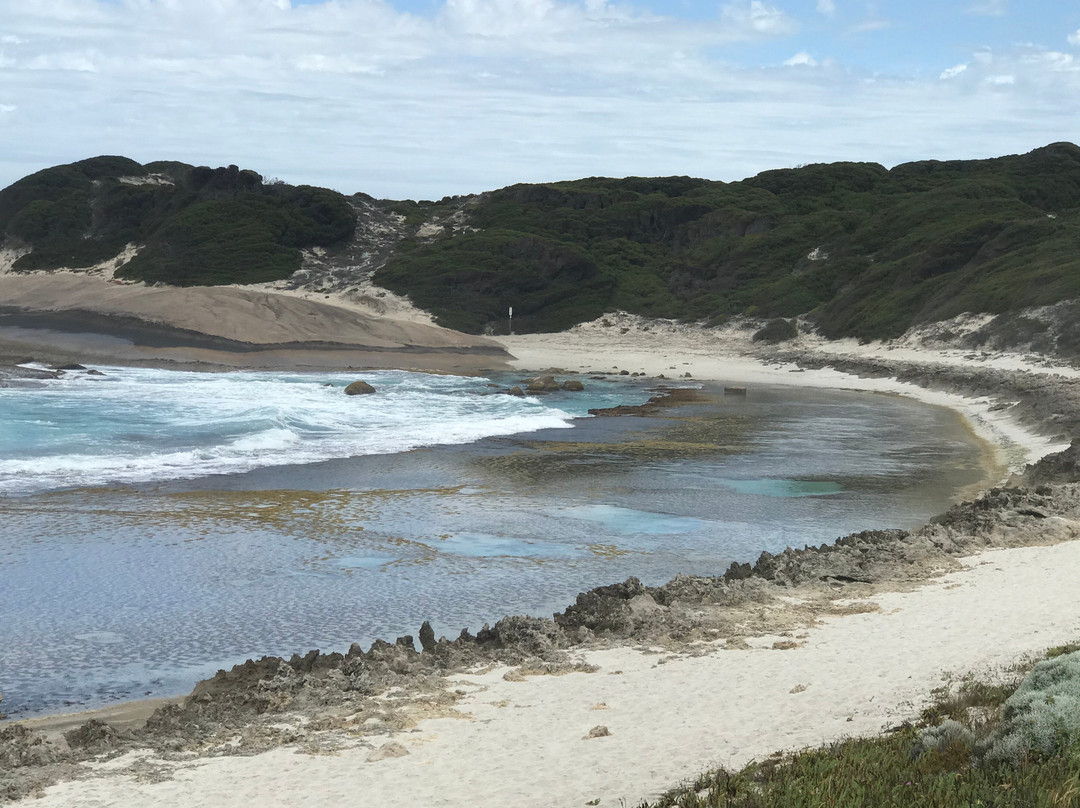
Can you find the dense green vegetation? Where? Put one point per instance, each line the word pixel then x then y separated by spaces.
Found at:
pixel 866 250
pixel 198 225
pixel 951 759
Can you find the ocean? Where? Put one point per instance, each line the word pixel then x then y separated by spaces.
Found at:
pixel 157 525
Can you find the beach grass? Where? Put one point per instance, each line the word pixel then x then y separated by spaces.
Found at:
pixel 916 764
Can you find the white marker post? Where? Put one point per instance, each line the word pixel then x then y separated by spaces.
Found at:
pixel 511 319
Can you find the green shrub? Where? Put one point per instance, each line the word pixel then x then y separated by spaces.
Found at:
pixel 868 252
pixel 943 765
pixel 1042 718
pixel 778 330
pixel 209 226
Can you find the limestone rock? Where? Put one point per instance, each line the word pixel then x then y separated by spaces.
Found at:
pixel 573 386
pixel 542 384
pixel 390 749
pixel 359 388
pixel 94 736
pixel 427 637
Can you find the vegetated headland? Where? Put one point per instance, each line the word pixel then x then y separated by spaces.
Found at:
pixel 851 250
pixel 861 250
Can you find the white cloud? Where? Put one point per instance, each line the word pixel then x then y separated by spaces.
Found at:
pixel 6 108
pixel 1052 60
pixel 801 58
pixel 758 17
pixel 989 8
pixel 1000 80
pixel 355 95
pixel 1074 38
pixel 870 25
pixel 826 7
pixel 950 72
pixel 70 62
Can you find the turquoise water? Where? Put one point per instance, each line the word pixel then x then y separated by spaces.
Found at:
pixel 125 572
pixel 137 425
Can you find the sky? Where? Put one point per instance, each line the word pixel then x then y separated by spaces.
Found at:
pixel 422 99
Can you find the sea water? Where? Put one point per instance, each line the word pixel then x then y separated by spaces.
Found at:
pixel 138 425
pixel 157 525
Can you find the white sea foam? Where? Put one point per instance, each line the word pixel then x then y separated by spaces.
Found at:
pixel 140 425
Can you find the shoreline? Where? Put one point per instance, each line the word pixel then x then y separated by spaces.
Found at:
pixel 986 594
pixel 660 347
pixel 516 733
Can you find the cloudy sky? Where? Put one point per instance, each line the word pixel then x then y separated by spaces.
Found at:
pixel 424 98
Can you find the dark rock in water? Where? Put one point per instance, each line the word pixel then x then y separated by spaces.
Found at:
pixel 665 397
pixel 359 388
pixel 13 374
pixel 427 637
pixel 515 391
pixel 543 384
pixel 624 372
pixel 71 367
pixel 93 372
pixel 573 386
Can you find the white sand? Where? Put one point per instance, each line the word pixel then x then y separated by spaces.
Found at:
pixel 727 355
pixel 235 313
pixel 522 743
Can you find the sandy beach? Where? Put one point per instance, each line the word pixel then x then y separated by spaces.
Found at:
pixel 812 660
pixel 670 716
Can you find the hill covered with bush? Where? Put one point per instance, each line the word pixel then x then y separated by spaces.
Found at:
pixel 868 251
pixel 864 250
pixel 196 225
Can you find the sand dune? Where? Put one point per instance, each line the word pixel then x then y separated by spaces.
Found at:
pixel 228 312
pixel 220 325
